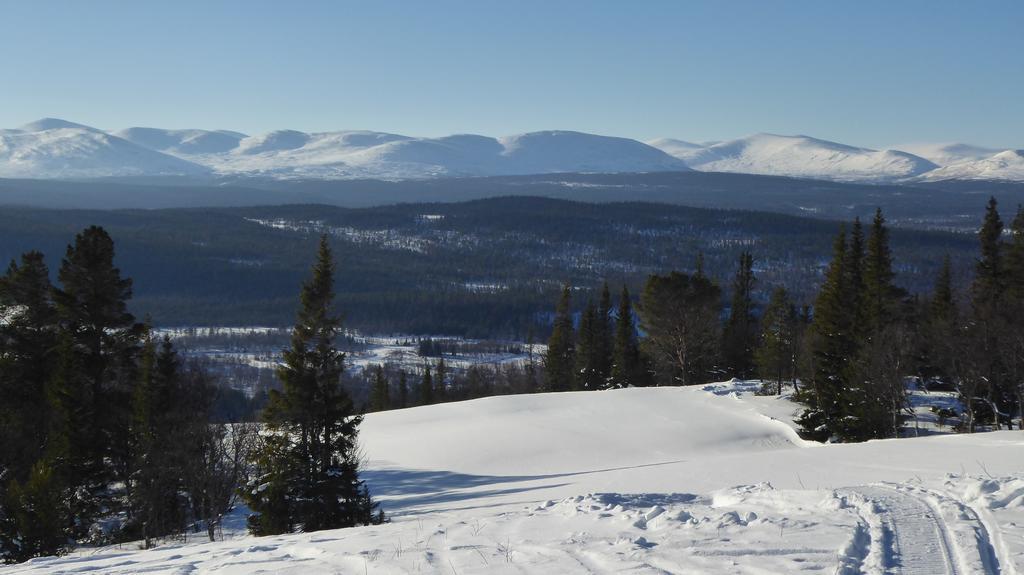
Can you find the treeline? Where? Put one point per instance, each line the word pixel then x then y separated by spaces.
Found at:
pixel 392 387
pixel 108 435
pixel 847 353
pixel 221 267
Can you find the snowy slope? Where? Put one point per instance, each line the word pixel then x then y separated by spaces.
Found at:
pixel 381 155
pixel 1007 165
pixel 183 142
pixel 51 148
pixel 54 148
pixel 802 156
pixel 946 154
pixel 662 480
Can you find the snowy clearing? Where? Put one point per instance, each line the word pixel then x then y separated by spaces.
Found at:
pixel 655 480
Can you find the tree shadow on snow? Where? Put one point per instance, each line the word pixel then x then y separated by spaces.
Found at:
pixel 416 487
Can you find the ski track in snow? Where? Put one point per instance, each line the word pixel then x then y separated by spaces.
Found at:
pixel 917 539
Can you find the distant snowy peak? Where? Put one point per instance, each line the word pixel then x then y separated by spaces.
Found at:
pixel 1006 165
pixel 44 124
pixel 56 149
pixel 183 141
pixel 802 156
pixel 947 154
pixel 674 147
pixel 563 151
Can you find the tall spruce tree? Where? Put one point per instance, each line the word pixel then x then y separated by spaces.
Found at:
pixel 880 296
pixel 627 367
pixel 307 476
pixel 740 335
pixel 560 361
pixel 833 347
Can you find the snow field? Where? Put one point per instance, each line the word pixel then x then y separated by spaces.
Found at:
pixel 656 480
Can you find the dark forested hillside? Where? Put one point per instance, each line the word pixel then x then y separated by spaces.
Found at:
pixel 933 205
pixel 478 268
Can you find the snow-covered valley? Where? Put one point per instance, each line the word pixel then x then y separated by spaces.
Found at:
pixel 651 480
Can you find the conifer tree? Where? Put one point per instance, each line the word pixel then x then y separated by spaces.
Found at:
pixel 680 315
pixel 32 516
pixel 989 273
pixel 627 369
pixel 833 346
pixel 380 399
pixel 92 307
pixel 605 336
pixel 427 387
pixel 740 334
pixel 160 448
pixel 880 296
pixel 308 469
pixel 403 390
pixel 588 349
pixel 441 381
pixel 27 345
pixel 1015 259
pixel 559 361
pixel 776 356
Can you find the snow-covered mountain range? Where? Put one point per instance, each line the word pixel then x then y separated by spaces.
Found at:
pixel 58 149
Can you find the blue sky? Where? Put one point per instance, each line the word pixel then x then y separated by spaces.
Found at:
pixel 871 73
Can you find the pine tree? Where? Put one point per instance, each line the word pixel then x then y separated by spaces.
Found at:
pixel 559 361
pixel 441 381
pixel 604 335
pixel 308 469
pixel 92 307
pixel 740 334
pixel 989 273
pixel 403 390
pixel 855 275
pixel 776 356
pixel 880 296
pixel 1015 259
pixel 627 367
pixel 32 517
pixel 380 396
pixel 427 387
pixel 160 447
pixel 588 371
pixel 27 345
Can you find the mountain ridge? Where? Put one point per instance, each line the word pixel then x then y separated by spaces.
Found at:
pixel 52 148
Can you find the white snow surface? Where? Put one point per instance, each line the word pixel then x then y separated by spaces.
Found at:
pixel 366 154
pixel 1006 165
pixel 801 156
pixel 656 480
pixel 945 154
pixel 51 148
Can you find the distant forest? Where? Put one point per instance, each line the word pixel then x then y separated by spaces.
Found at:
pixel 482 268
